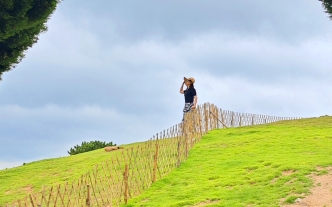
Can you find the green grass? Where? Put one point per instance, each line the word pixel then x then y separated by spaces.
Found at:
pixel 247 166
pixel 15 183
pixel 291 199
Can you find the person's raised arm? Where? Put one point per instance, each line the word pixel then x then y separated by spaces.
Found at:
pixel 181 89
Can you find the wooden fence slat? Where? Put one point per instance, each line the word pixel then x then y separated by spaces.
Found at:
pixel 155 163
pixel 219 119
pixel 31 200
pixel 125 178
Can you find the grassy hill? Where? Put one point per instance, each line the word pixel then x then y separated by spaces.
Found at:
pixel 15 183
pixel 248 166
pixel 265 165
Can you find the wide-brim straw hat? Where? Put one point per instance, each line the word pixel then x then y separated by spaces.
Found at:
pixel 191 79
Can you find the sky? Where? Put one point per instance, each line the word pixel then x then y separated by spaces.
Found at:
pixel 112 71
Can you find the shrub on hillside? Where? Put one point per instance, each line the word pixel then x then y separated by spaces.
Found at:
pixel 89 146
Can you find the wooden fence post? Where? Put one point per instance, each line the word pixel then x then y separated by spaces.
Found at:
pixel 240 120
pixel 191 130
pixel 199 114
pixel 126 185
pixel 213 118
pixel 210 122
pixel 179 137
pixel 88 196
pixel 179 151
pixel 217 118
pixel 43 197
pixel 49 197
pixel 25 201
pixel 185 135
pixel 31 199
pixel 222 118
pixel 206 118
pixel 155 166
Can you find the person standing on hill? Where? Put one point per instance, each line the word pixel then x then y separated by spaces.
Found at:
pixel 190 95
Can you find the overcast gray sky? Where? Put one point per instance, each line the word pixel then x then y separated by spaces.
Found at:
pixel 111 70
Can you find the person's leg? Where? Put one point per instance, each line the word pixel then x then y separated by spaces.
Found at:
pixel 186 109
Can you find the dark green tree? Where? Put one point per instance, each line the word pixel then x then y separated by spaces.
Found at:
pixel 21 21
pixel 89 146
pixel 327 4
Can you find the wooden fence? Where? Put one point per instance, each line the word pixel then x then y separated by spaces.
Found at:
pixel 113 182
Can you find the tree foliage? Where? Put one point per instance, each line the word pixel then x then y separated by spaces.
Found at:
pixel 327 4
pixel 89 146
pixel 21 21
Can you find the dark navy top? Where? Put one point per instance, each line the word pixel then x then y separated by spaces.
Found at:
pixel 189 95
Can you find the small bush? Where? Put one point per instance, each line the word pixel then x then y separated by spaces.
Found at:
pixel 88 146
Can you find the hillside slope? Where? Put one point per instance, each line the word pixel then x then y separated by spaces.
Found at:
pixel 15 183
pixel 263 165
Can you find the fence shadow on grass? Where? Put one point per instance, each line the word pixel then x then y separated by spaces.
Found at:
pixel 124 176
